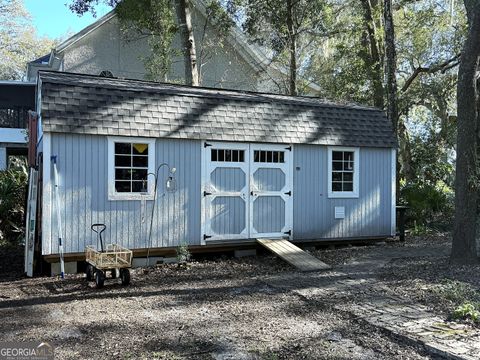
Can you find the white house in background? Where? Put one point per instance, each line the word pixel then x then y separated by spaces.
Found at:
pixel 101 48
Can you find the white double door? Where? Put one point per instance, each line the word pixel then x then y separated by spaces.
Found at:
pixel 246 190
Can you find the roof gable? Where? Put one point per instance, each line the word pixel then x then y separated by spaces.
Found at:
pixel 93 105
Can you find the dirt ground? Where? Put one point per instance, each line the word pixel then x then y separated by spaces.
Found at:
pixel 220 309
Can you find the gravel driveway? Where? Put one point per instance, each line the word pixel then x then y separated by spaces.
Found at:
pixel 219 309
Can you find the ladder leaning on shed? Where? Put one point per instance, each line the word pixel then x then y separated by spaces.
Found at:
pixel 293 254
pixel 31 221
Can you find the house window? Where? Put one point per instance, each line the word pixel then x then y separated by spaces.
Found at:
pixel 343 164
pixel 228 155
pixel 130 162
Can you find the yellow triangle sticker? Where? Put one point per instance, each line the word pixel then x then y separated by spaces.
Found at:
pixel 140 147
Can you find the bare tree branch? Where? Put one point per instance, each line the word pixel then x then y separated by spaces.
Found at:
pixel 442 67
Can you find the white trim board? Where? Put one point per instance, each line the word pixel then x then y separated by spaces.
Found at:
pixel 356 171
pixel 112 194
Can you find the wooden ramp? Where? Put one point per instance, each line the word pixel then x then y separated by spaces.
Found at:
pixel 293 254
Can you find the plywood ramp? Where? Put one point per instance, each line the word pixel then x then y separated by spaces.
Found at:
pixel 293 254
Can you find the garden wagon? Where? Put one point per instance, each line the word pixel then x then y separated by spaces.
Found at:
pixel 113 258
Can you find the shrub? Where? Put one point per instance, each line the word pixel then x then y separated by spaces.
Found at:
pixel 429 206
pixel 183 254
pixel 466 311
pixel 13 190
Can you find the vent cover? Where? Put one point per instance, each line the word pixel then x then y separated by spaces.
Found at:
pixel 339 212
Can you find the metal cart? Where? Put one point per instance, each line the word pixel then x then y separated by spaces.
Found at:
pixel 113 258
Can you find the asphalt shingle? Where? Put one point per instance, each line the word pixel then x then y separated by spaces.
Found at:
pixel 75 103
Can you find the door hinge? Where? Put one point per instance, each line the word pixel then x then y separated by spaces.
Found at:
pixel 205 236
pixel 205 144
pixel 289 232
pixel 289 148
pixel 289 193
pixel 206 193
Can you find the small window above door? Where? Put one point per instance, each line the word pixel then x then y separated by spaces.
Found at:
pixel 227 155
pixel 269 156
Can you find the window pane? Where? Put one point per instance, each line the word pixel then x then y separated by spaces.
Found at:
pixel 139 186
pixel 263 156
pixel 269 156
pixel 214 155
pixel 336 176
pixel 336 186
pixel 122 160
pixel 348 156
pixel 122 174
pixel 140 149
pixel 122 186
pixel 275 157
pixel 228 155
pixel 337 165
pixel 348 176
pixel 282 157
pixel 139 174
pixel 235 155
pixel 123 148
pixel 241 157
pixel 337 155
pixel 348 165
pixel 140 161
pixel 221 155
pixel 347 186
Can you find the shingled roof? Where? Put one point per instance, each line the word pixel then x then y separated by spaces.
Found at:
pixel 84 104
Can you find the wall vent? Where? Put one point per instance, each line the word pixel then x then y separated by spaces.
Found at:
pixel 339 212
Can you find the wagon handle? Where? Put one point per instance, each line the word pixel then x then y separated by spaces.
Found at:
pixel 99 232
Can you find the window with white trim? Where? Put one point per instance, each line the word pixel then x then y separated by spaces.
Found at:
pixel 131 160
pixel 343 172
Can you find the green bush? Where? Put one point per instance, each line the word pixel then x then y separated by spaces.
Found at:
pixel 429 206
pixel 13 189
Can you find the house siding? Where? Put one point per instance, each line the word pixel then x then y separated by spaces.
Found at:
pixel 82 167
pixel 106 49
pixel 369 215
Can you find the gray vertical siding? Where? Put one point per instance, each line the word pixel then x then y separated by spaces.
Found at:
pixel 82 166
pixel 313 211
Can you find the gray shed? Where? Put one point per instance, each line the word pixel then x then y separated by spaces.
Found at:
pixel 249 165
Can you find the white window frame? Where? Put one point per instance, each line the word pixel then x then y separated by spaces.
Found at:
pixel 112 193
pixel 356 167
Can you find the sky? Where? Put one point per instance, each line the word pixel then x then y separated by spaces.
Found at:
pixel 54 19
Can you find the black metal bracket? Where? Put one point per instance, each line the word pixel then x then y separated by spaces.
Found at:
pixel 289 148
pixel 206 193
pixel 205 144
pixel 289 232
pixel 205 236
pixel 289 193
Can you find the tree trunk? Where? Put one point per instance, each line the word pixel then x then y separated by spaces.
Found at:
pixel 390 64
pixel 374 61
pixel 189 51
pixel 292 39
pixel 464 248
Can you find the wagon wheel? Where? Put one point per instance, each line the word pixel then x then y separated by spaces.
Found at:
pixel 99 278
pixel 125 276
pixel 114 273
pixel 90 272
